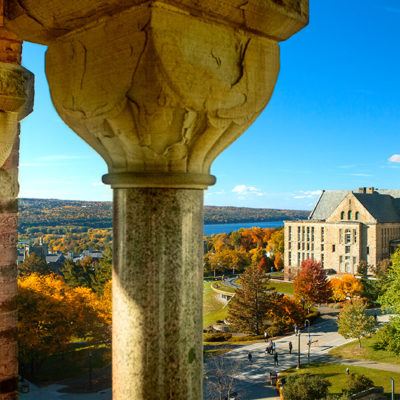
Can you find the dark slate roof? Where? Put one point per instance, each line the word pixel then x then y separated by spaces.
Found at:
pixel 381 206
pixel 327 204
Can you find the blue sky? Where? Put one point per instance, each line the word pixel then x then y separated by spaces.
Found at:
pixel 333 121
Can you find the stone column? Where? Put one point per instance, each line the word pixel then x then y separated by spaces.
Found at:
pixel 159 89
pixel 15 102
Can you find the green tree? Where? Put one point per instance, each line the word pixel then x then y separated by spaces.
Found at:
pixel 247 309
pixel 78 274
pixel 103 271
pixel 390 299
pixel 34 264
pixel 388 337
pixel 354 322
pixel 305 387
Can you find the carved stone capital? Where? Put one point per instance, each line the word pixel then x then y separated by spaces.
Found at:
pixel 157 91
pixel 16 102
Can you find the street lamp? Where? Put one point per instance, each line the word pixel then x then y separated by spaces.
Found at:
pixel 297 331
pixel 307 322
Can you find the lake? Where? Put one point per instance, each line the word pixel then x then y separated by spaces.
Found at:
pixel 211 229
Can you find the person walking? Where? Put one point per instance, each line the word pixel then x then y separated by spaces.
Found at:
pixel 270 347
pixel 273 347
pixel 290 347
pixel 276 362
pixel 250 357
pixel 265 336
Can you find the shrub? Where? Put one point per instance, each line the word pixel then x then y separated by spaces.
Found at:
pixel 305 387
pixel 274 330
pixel 246 338
pixel 356 383
pixel 216 337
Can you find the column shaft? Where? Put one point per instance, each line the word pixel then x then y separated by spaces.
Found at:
pixel 8 276
pixel 157 294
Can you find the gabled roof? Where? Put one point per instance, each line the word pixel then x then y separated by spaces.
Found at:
pixel 327 203
pixel 381 206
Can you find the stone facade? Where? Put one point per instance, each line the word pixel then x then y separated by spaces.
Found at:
pixel 363 226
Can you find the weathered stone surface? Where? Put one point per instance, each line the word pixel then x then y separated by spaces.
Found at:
pixel 42 21
pixel 160 98
pixel 157 294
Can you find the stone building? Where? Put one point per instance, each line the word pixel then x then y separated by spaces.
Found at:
pixel 344 228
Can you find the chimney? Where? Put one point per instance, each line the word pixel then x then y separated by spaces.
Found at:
pixel 362 190
pixel 371 190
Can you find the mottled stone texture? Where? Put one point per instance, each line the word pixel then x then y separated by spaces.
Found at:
pixel 157 294
pixel 8 275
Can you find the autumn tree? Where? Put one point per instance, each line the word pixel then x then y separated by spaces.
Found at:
pixel 248 308
pixel 311 285
pixel 346 286
pixel 276 242
pixel 354 322
pixel 34 264
pixel 284 312
pixel 51 314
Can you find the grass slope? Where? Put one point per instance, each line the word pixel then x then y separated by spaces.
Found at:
pixel 336 374
pixel 213 309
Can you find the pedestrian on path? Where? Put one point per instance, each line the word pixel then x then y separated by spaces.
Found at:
pixel 250 357
pixel 276 362
pixel 273 347
pixel 290 347
pixel 265 336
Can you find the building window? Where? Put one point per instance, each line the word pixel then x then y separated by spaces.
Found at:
pixel 290 233
pixel 355 235
pixel 290 258
pixel 308 233
pixel 312 233
pixel 347 236
pixel 354 260
pixel 340 235
pixel 357 215
pixel 333 248
pixel 322 260
pixel 342 215
pixel 298 233
pixel 302 246
pixel 322 247
pixel 302 233
pixel 308 246
pixel 367 250
pixel 340 259
pixel 347 249
pixel 312 246
pixel 302 256
pixel 322 234
pixel 349 215
pixel 298 245
pixel 298 259
pixel 290 245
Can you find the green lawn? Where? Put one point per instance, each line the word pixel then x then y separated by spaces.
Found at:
pixel 367 352
pixel 213 309
pixel 282 287
pixel 336 374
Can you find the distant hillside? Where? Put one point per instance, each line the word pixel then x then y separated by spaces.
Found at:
pixel 59 214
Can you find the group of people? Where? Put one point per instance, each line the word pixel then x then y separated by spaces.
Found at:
pixel 271 349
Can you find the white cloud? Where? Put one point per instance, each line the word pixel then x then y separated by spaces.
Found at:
pixel 246 191
pixel 306 194
pixel 395 158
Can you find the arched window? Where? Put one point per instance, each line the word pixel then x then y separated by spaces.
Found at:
pixel 342 215
pixel 357 215
pixel 349 215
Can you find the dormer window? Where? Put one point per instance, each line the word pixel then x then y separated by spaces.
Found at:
pixel 342 215
pixel 349 215
pixel 357 215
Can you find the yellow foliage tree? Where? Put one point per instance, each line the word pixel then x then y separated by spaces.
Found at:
pixel 346 286
pixel 51 314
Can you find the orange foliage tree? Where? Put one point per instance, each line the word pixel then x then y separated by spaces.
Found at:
pixel 311 285
pixel 51 314
pixel 346 286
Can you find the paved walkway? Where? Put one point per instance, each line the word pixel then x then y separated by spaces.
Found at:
pixel 252 378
